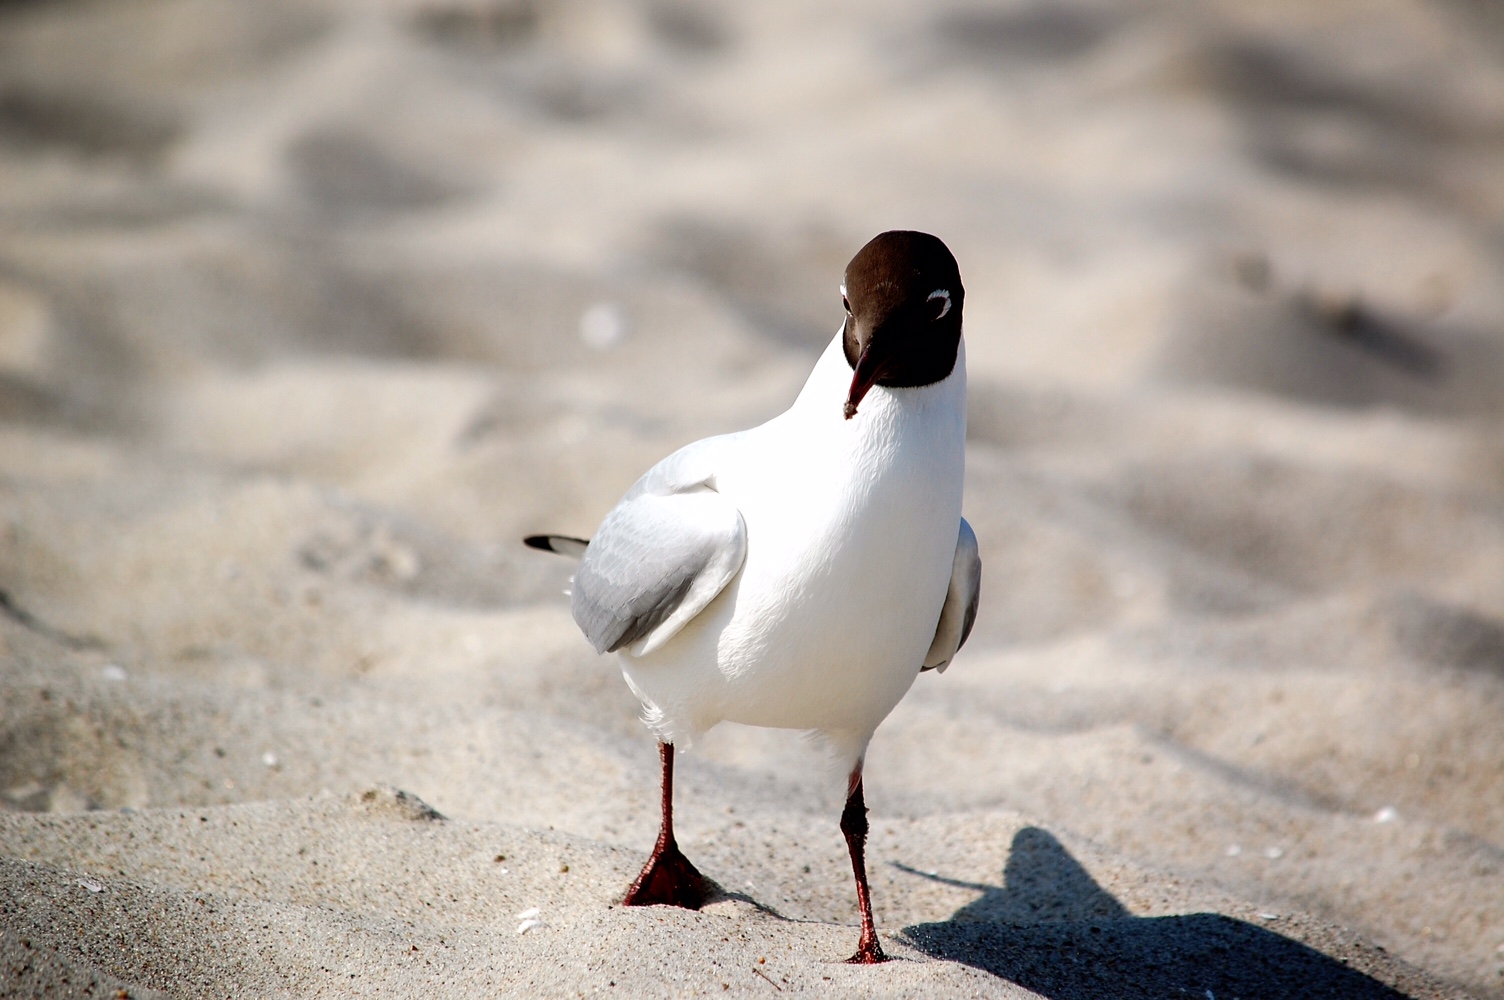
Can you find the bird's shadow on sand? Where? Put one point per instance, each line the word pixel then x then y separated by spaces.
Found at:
pixel 1051 929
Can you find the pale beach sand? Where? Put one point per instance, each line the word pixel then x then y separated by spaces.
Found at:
pixel 310 311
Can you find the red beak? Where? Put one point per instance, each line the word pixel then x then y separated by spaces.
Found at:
pixel 868 370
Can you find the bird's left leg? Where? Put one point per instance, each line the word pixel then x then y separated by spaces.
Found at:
pixel 854 825
pixel 668 879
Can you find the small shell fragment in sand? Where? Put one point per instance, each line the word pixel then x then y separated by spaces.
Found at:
pixel 112 672
pixel 1274 853
pixel 530 914
pixel 91 885
pixel 1388 814
pixel 269 759
pixel 530 919
pixel 1233 850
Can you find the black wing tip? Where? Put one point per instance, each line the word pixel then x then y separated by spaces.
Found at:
pixel 564 545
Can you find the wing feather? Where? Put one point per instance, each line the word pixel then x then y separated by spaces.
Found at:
pixel 959 612
pixel 564 545
pixel 660 556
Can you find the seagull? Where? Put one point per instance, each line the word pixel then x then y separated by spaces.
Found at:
pixel 801 574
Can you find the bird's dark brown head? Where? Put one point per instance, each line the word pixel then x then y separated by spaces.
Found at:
pixel 903 299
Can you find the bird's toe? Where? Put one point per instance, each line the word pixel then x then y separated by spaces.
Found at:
pixel 669 879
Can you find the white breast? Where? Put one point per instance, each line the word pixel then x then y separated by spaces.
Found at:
pixel 851 532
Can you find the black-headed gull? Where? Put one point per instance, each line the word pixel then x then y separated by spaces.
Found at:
pixel 801 574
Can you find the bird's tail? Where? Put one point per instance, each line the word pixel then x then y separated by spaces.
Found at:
pixel 564 545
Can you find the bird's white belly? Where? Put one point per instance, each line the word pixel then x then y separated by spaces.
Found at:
pixel 878 590
pixel 828 622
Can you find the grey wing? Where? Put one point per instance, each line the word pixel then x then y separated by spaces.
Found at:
pixel 960 610
pixel 657 560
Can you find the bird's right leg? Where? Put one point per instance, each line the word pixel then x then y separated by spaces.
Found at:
pixel 869 951
pixel 668 879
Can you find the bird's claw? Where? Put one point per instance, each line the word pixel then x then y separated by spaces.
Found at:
pixel 668 879
pixel 869 952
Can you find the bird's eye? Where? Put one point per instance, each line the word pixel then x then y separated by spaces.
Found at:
pixel 845 302
pixel 943 297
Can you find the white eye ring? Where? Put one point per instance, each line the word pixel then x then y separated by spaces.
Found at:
pixel 940 293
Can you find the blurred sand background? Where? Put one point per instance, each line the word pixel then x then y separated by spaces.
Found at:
pixel 310 310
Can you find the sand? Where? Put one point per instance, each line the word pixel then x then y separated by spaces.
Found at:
pixel 310 311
